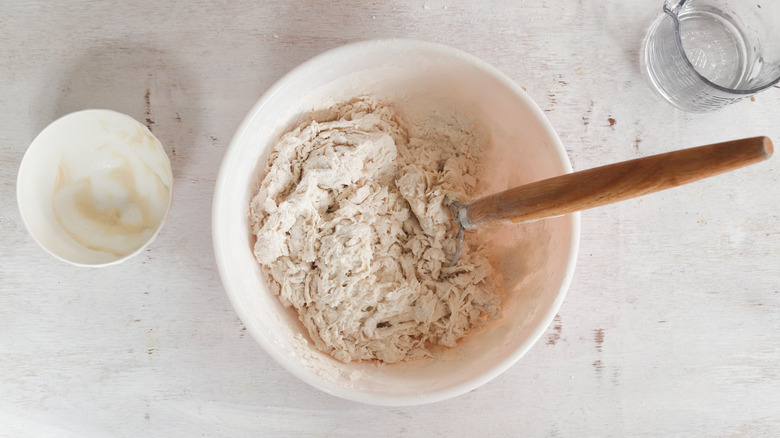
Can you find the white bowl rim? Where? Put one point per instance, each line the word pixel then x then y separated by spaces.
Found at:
pixel 293 366
pixel 146 244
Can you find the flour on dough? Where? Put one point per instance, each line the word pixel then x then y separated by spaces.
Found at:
pixel 353 232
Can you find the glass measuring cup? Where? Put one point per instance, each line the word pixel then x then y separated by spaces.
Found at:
pixel 701 55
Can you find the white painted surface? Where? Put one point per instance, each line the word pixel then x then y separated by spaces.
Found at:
pixel 671 326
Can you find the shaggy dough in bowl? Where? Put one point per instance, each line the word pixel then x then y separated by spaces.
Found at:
pixel 353 231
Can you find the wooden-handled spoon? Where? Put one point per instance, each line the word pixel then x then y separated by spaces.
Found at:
pixel 609 184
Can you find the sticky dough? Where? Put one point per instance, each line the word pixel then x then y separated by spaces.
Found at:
pixel 353 232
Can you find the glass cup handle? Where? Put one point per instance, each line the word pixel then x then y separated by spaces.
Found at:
pixel 673 6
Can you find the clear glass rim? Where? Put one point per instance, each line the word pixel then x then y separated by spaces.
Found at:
pixel 673 14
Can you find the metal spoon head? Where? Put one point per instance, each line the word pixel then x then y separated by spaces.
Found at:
pixel 457 207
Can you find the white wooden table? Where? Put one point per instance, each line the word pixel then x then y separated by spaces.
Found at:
pixel 671 325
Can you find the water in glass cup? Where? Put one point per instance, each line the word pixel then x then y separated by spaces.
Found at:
pixel 701 55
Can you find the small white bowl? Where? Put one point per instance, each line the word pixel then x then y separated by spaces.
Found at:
pixel 94 188
pixel 536 260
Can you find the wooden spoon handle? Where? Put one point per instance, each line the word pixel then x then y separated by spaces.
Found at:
pixel 616 182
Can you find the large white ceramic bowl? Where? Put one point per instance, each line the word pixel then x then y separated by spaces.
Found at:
pixel 536 260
